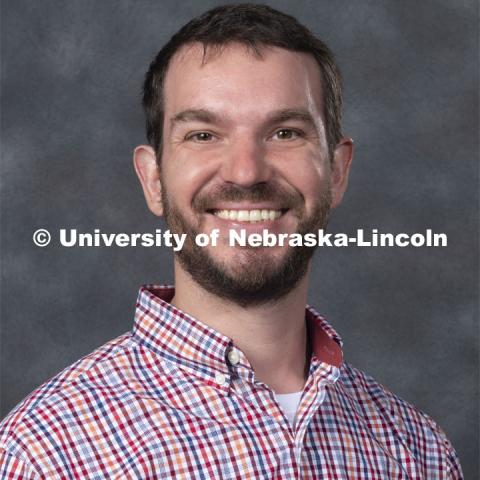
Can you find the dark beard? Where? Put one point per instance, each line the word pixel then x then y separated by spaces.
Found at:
pixel 255 282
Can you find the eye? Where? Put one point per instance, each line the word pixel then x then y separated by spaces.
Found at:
pixel 286 134
pixel 202 137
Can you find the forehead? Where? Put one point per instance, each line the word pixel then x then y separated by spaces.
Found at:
pixel 234 79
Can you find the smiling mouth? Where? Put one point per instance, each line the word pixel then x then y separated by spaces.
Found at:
pixel 249 216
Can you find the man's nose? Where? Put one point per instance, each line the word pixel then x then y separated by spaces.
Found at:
pixel 246 163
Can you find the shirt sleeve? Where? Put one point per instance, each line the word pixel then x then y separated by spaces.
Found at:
pixel 454 468
pixel 12 468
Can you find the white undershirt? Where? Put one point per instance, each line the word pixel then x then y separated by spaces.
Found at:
pixel 289 403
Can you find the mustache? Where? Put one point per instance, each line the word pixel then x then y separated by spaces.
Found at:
pixel 260 192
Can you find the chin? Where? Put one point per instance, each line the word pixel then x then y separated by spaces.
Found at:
pixel 237 259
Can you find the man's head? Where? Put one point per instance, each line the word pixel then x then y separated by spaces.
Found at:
pixel 255 27
pixel 246 135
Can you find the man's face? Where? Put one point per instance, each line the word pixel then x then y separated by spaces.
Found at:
pixel 244 146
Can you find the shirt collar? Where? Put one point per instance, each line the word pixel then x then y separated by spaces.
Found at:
pixel 182 339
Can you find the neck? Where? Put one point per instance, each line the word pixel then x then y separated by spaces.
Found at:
pixel 273 336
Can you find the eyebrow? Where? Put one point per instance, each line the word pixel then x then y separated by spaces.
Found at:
pixel 195 115
pixel 295 114
pixel 278 116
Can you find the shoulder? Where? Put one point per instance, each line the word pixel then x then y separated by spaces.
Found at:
pixel 88 407
pixel 398 423
pixel 59 399
pixel 374 399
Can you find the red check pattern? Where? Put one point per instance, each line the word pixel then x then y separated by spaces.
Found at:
pixel 165 402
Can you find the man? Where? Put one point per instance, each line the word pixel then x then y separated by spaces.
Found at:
pixel 229 375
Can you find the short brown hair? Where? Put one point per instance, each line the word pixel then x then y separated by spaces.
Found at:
pixel 253 26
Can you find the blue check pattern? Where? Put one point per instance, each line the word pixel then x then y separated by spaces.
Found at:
pixel 164 402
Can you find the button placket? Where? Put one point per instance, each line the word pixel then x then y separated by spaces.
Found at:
pixel 319 397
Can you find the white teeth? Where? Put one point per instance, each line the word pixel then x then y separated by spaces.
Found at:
pixel 255 215
pixel 243 216
pixel 248 215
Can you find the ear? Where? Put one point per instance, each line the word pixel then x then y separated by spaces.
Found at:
pixel 145 164
pixel 342 159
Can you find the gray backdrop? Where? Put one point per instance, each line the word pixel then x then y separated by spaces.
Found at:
pixel 72 74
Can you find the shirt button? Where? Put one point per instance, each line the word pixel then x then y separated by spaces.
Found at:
pixel 221 379
pixel 233 356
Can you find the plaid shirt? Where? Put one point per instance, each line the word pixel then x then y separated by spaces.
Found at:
pixel 175 399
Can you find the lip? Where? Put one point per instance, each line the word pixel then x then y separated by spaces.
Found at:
pixel 245 206
pixel 245 222
pixel 279 225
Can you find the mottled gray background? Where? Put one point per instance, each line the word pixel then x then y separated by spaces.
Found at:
pixel 72 73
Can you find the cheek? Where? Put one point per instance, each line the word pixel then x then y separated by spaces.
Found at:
pixel 184 176
pixel 311 178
